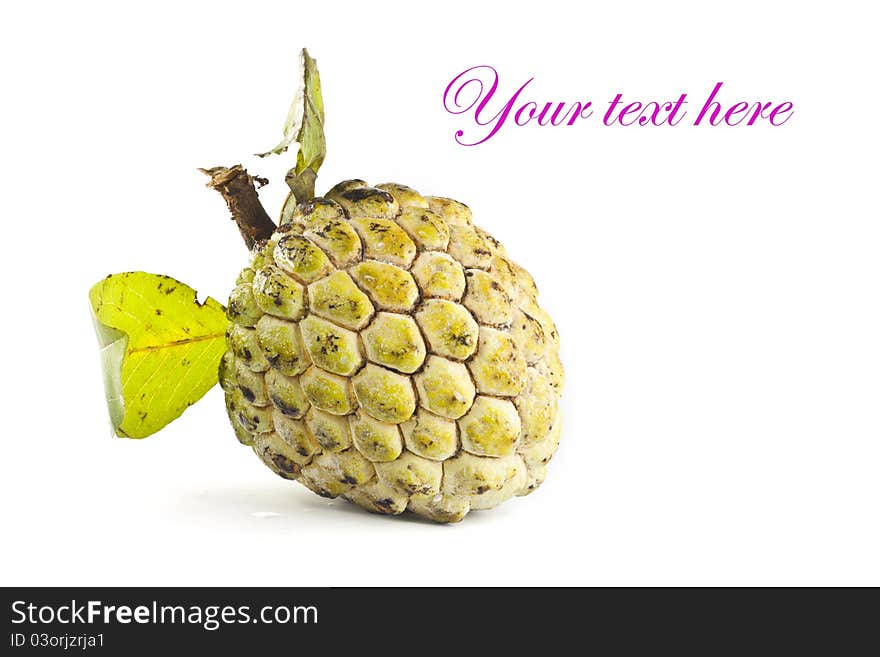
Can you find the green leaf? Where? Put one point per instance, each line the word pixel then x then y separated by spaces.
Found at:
pixel 305 127
pixel 160 348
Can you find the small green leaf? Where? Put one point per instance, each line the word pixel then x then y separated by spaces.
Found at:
pixel 305 126
pixel 160 348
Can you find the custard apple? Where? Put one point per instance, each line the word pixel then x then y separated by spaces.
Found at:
pixel 384 349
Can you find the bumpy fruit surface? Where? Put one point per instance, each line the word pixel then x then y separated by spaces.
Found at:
pixel 386 350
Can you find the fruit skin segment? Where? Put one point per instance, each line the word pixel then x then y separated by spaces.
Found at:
pixel 386 350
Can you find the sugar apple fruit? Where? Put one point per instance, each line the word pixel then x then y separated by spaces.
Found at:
pixel 384 349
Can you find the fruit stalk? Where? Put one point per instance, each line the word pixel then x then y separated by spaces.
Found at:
pixel 238 189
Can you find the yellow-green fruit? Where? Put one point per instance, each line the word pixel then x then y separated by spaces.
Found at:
pixel 386 350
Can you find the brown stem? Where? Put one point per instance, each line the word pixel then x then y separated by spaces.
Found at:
pixel 239 191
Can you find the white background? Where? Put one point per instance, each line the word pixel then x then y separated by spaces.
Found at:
pixel 716 289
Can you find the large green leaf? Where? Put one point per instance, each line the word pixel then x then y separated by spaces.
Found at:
pixel 305 127
pixel 160 348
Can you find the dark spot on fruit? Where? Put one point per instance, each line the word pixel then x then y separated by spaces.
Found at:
pixel 348 479
pixel 284 464
pixel 329 344
pixel 361 193
pixel 246 422
pixel 385 503
pixel 463 339
pixel 286 409
pixel 248 393
pixel 158 311
pixel 481 490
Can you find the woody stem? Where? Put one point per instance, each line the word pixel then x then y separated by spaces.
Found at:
pixel 239 190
